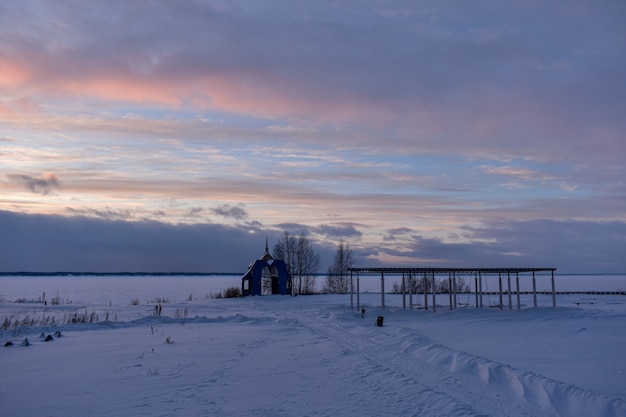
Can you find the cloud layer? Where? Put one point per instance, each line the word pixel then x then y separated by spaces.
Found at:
pixel 347 119
pixel 46 243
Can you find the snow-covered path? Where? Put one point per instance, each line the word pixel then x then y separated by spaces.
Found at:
pixel 429 390
pixel 469 384
pixel 307 356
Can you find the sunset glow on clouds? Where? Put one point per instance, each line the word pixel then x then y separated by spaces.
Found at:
pixel 420 133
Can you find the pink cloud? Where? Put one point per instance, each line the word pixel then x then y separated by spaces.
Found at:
pixel 245 91
pixel 494 95
pixel 122 89
pixel 13 74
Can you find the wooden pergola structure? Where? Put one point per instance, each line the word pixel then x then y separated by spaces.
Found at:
pixel 428 275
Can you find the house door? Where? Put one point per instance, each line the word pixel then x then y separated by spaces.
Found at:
pixel 266 282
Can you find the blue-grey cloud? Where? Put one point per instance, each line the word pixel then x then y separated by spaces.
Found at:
pixel 293 228
pixel 341 230
pixel 571 246
pixel 105 214
pixel 195 212
pixel 46 243
pixel 575 246
pixel 56 243
pixel 393 234
pixel 237 212
pixel 39 185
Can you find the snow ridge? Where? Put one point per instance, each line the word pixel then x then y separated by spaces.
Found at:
pixel 411 354
pixel 453 394
pixel 546 393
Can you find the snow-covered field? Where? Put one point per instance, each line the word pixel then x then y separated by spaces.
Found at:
pixel 300 356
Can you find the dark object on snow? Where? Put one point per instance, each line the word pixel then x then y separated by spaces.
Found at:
pixel 362 312
pixel 379 321
pixel 57 334
pixel 49 338
pixel 7 344
pixel 25 342
pixel 42 336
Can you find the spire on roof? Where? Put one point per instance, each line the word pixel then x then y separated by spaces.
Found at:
pixel 267 256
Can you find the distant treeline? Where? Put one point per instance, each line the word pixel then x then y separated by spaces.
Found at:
pixel 103 274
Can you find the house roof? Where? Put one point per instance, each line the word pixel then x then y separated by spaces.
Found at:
pixel 267 256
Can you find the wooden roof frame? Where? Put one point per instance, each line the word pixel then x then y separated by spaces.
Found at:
pixel 429 273
pixel 437 270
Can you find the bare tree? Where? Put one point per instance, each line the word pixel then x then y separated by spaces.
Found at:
pixel 442 286
pixel 285 249
pixel 302 261
pixel 418 286
pixel 337 280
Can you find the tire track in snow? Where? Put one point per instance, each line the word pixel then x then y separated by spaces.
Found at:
pixel 439 391
pixel 525 391
pixel 565 399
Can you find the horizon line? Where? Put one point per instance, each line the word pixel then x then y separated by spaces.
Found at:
pixel 154 273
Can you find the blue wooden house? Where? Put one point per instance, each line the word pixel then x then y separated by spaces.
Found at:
pixel 266 276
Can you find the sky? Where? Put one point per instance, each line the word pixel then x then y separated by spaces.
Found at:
pixel 178 136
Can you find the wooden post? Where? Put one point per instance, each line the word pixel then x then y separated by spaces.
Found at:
pixel 476 288
pixel 519 305
pixel 382 289
pixel 480 288
pixel 358 292
pixel 425 291
pixel 553 291
pixel 500 288
pixel 508 288
pixel 455 288
pixel 351 293
pixel 403 288
pixel 450 290
pixel 534 290
pixel 434 291
pixel 410 291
